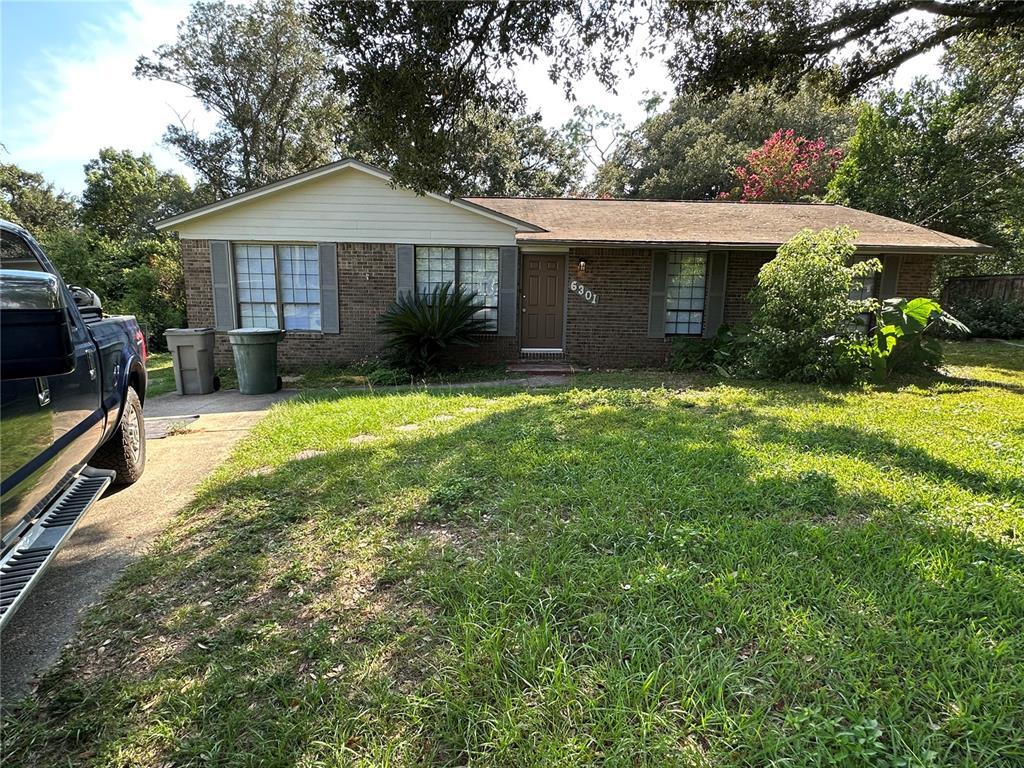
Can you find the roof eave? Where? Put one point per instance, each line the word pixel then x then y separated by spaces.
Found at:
pixel 950 249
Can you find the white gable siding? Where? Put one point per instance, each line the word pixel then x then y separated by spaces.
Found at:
pixel 349 206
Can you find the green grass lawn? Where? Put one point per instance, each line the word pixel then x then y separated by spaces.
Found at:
pixel 161 374
pixel 640 570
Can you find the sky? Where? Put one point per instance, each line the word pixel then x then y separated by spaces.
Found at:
pixel 67 89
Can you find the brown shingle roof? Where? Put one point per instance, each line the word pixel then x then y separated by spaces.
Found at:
pixel 573 220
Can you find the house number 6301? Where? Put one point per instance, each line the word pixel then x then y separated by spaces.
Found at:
pixel 582 290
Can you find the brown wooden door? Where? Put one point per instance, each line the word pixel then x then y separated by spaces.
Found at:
pixel 543 301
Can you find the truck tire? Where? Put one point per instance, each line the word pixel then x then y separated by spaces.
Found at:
pixel 125 450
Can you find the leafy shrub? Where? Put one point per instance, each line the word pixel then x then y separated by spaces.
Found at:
pixel 384 376
pixel 805 325
pixel 723 352
pixel 425 329
pixel 900 340
pixel 990 318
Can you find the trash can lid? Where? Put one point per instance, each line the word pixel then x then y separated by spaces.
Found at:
pixel 254 331
pixel 185 331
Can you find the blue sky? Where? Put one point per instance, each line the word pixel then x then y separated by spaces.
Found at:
pixel 68 90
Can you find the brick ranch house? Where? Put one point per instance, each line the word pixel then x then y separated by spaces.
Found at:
pixel 600 282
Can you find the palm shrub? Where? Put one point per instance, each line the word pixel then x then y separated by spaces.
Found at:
pixel 424 329
pixel 805 325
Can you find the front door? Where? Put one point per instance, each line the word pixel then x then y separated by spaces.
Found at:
pixel 543 301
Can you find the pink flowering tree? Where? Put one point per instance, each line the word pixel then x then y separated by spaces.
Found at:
pixel 786 168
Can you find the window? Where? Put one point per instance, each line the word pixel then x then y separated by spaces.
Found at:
pixel 865 288
pixel 475 269
pixel 15 253
pixel 684 293
pixel 300 286
pixel 276 282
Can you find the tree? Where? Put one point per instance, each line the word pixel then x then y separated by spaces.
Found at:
pixel 690 150
pixel 416 72
pixel 261 69
pixel 849 43
pixel 418 67
pixel 125 195
pixel 787 168
pixel 914 158
pixel 27 199
pixel 505 156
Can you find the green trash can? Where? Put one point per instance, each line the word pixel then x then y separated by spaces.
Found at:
pixel 255 351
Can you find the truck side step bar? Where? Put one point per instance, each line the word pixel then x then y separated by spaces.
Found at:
pixel 25 563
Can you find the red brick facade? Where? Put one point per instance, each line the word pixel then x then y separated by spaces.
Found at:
pixel 915 276
pixel 611 333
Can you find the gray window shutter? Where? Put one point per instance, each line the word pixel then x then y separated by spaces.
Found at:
pixel 890 276
pixel 223 285
pixel 659 277
pixel 328 287
pixel 508 289
pixel 405 269
pixel 714 310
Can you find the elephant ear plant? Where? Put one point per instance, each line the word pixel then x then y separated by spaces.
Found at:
pixel 425 328
pixel 900 340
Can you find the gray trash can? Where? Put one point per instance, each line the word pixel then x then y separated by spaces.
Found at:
pixel 255 351
pixel 192 352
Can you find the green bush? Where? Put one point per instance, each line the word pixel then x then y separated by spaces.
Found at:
pixel 723 352
pixel 903 337
pixel 805 325
pixel 990 318
pixel 424 330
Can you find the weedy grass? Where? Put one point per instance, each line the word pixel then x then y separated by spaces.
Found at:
pixel 160 368
pixel 625 572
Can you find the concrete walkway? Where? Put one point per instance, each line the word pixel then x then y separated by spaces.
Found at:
pixel 117 530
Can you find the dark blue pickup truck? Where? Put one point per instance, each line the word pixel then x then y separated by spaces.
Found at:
pixel 72 386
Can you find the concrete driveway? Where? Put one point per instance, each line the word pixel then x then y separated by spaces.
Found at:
pixel 117 530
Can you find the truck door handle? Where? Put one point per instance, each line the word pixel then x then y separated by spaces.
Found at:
pixel 43 391
pixel 92 365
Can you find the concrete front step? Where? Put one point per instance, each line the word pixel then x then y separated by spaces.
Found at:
pixel 541 368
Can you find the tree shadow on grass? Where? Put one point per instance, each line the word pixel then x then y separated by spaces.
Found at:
pixel 578 578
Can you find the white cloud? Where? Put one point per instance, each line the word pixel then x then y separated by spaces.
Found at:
pixel 89 99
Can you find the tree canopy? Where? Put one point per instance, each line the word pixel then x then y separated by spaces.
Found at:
pixel 125 195
pixel 414 69
pixel 691 149
pixel 27 199
pixel 261 70
pixel 918 156
pixel 849 44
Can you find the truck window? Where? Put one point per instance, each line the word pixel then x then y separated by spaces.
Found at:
pixel 16 254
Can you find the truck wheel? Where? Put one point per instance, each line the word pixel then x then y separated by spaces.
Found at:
pixel 125 450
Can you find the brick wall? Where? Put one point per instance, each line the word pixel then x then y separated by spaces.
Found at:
pixel 915 277
pixel 366 286
pixel 612 332
pixel 195 257
pixel 740 281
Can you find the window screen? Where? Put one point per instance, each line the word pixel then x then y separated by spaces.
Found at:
pixel 684 293
pixel 475 269
pixel 257 287
pixel 300 286
pixel 435 265
pixel 478 272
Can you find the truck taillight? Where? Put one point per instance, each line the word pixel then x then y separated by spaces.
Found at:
pixel 140 339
